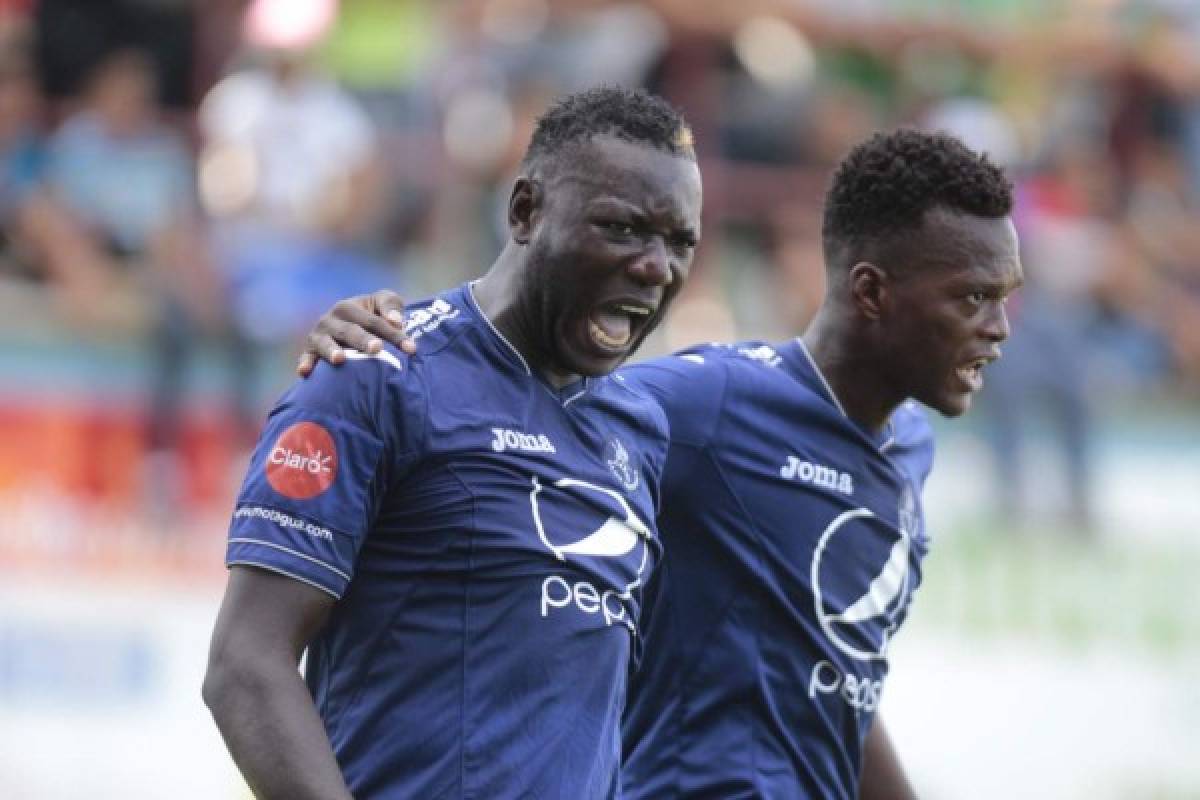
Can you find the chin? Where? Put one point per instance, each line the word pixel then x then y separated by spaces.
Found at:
pixel 599 366
pixel 953 406
pixel 588 364
pixel 582 359
pixel 947 403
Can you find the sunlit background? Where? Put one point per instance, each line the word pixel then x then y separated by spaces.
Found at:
pixel 184 186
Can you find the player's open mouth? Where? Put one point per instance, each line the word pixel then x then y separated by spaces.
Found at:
pixel 971 373
pixel 612 326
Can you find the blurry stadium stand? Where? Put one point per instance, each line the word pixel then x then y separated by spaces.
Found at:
pixel 1064 665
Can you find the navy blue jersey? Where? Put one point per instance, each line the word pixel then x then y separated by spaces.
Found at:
pixel 792 543
pixel 487 538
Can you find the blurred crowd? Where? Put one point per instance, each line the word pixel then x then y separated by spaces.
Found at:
pixel 316 149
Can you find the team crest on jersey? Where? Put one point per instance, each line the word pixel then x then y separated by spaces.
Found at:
pixel 619 462
pixel 303 461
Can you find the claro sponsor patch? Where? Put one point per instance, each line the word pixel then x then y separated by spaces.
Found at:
pixel 303 461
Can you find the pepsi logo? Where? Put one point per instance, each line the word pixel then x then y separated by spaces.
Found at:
pixel 859 620
pixel 303 461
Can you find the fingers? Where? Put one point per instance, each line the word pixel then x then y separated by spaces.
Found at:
pixel 321 347
pixel 351 325
pixel 387 301
pixel 361 323
pixel 408 345
pixel 388 322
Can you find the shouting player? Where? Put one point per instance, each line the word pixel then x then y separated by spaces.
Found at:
pixel 459 537
pixel 791 516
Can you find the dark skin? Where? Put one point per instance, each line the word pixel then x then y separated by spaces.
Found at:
pixel 882 775
pixel 256 695
pixel 621 231
pixel 902 318
pixel 613 242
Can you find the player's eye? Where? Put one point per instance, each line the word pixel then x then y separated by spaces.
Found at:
pixel 977 298
pixel 683 244
pixel 619 228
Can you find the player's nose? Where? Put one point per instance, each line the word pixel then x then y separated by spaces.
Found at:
pixel 996 327
pixel 652 266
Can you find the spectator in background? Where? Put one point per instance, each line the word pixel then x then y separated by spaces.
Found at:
pixel 289 171
pixel 310 146
pixel 1154 298
pixel 1064 214
pixel 117 232
pixel 120 184
pixel 22 156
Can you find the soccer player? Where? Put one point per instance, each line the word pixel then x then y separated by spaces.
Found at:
pixel 791 516
pixel 460 536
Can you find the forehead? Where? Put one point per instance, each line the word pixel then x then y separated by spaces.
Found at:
pixel 966 246
pixel 655 181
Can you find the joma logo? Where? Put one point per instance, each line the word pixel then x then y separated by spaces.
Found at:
pixel 516 440
pixel 817 474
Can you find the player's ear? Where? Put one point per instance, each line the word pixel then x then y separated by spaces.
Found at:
pixel 869 288
pixel 524 204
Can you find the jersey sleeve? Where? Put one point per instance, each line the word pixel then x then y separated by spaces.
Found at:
pixel 331 448
pixel 690 389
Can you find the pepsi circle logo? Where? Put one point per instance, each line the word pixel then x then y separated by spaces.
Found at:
pixel 303 462
pixel 859 620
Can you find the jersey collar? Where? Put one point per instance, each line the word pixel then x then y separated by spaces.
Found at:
pixel 566 395
pixel 800 364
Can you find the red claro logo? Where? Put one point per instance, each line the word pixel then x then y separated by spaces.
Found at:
pixel 303 462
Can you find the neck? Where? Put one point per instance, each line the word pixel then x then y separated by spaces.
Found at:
pixel 853 368
pixel 499 295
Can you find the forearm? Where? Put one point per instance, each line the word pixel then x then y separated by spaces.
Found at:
pixel 882 776
pixel 274 733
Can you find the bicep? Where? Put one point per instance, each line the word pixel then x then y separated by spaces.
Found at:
pixel 256 695
pixel 266 614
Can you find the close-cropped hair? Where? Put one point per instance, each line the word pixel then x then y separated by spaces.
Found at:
pixel 886 185
pixel 634 115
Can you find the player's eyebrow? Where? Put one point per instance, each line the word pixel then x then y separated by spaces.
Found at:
pixel 611 202
pixel 996 287
pixel 641 213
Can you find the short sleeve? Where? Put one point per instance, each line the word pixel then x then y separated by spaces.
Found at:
pixel 331 448
pixel 689 387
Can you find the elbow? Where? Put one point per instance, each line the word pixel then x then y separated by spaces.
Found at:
pixel 216 686
pixel 242 674
pixel 228 679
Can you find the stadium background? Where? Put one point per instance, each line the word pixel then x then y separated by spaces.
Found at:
pixel 164 245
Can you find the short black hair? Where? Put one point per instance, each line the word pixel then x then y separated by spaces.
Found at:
pixel 886 185
pixel 634 115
